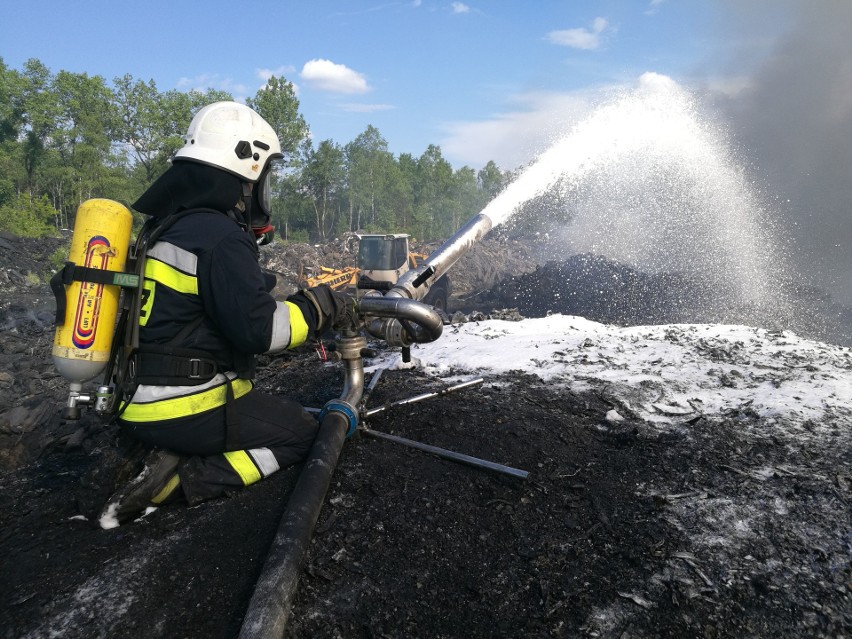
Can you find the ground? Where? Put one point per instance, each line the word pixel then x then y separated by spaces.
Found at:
pixel 620 530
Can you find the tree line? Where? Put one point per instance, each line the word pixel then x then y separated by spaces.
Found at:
pixel 67 137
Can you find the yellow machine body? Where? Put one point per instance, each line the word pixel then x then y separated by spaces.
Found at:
pixel 101 240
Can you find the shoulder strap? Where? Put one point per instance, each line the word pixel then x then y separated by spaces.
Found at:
pixel 121 366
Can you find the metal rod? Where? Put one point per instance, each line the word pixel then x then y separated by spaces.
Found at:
pixel 418 398
pixel 374 380
pixel 449 454
pixel 372 385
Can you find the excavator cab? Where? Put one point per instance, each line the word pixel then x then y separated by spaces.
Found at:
pixel 383 259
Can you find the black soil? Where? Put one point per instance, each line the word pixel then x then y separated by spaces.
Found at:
pixel 603 539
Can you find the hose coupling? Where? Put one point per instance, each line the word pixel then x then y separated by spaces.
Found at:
pixel 345 409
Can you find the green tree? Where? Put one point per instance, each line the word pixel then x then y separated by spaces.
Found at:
pixel 434 187
pixel 145 129
pixel 69 136
pixel 322 182
pixel 277 103
pixel 151 126
pixel 9 122
pixel 39 113
pixel 368 166
pixel 397 201
pixel 11 109
pixel 491 180
pixel 408 215
pixel 466 198
pixel 79 163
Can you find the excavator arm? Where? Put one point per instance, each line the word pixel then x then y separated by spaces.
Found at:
pixel 335 278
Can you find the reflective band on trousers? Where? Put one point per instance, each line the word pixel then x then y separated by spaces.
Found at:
pixel 243 466
pixel 185 405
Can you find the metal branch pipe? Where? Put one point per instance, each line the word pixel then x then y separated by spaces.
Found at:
pixel 389 316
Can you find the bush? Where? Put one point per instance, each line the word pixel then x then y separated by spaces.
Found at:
pixel 26 217
pixel 57 259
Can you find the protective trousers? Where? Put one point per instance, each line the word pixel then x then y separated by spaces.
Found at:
pixel 272 433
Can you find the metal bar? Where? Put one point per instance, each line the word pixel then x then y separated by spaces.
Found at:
pixel 373 381
pixel 448 454
pixel 419 398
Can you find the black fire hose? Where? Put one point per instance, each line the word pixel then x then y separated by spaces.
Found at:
pixel 266 617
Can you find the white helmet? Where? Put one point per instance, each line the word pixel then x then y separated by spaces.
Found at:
pixel 233 137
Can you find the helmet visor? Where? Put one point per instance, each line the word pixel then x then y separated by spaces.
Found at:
pixel 264 188
pixel 261 210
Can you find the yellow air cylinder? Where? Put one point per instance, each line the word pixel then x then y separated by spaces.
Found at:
pixel 101 240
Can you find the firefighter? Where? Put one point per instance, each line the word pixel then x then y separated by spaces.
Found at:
pixel 206 311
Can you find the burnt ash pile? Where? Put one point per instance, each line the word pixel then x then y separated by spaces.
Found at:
pixel 604 539
pixel 606 291
pixel 602 290
pixel 26 302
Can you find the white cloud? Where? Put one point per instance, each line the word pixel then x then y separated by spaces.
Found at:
pixel 279 72
pixel 357 107
pixel 460 7
pixel 205 81
pixel 580 38
pixel 654 7
pixel 326 75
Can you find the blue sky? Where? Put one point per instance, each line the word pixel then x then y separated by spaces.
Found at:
pixel 483 79
pixel 501 79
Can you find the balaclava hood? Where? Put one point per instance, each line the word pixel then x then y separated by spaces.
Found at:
pixel 190 185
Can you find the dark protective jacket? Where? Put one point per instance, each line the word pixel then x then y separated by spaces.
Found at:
pixel 204 291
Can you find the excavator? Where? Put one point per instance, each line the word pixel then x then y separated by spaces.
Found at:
pixel 382 260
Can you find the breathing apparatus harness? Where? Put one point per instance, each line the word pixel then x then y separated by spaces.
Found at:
pixel 131 364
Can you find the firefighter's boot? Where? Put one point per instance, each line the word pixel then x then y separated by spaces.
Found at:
pixel 157 485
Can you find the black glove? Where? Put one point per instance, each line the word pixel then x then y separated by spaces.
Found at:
pixel 330 309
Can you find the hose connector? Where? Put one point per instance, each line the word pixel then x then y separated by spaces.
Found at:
pixel 345 409
pixel 400 321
